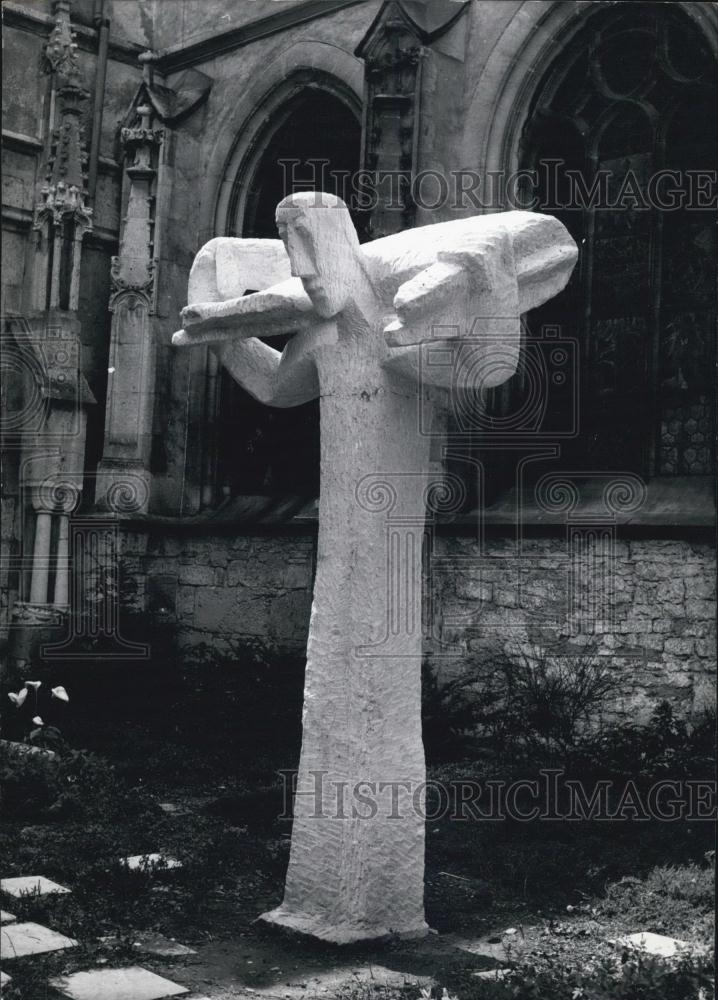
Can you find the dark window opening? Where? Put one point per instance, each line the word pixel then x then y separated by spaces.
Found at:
pixel 635 97
pixel 264 450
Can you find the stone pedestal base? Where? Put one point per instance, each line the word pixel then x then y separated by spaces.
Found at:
pixel 316 927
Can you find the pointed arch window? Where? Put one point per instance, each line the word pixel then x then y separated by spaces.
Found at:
pixel 311 138
pixel 623 139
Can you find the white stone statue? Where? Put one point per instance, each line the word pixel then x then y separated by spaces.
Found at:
pixel 360 315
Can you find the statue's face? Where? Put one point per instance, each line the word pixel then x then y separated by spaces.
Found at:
pixel 316 256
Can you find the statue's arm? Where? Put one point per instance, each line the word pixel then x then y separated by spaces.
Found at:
pixel 224 271
pixel 422 299
pixel 230 321
pixel 283 308
pixel 507 264
pixel 283 379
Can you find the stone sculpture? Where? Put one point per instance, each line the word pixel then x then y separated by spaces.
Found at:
pixel 361 317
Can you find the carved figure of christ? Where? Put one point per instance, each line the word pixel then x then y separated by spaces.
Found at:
pixel 359 315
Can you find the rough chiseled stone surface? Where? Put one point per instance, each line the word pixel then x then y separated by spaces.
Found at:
pixel 360 317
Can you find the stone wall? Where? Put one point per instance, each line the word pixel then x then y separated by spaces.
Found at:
pixel 29 97
pixel 221 590
pixel 648 608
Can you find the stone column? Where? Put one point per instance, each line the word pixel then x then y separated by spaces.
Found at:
pixel 61 597
pixel 53 450
pixel 41 557
pixel 393 53
pixel 52 467
pixel 130 389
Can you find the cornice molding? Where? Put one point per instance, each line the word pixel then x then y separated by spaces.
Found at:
pixel 17 219
pixel 18 142
pixel 179 57
pixel 174 58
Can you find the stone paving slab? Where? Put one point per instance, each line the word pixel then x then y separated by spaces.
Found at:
pixel 131 983
pixel 28 938
pixel 153 943
pixel 478 946
pixel 491 975
pixel 4 978
pixel 31 885
pixel 158 944
pixel 138 862
pixel 655 944
pixel 173 809
pixel 7 918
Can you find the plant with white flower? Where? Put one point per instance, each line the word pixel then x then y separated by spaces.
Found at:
pixel 41 733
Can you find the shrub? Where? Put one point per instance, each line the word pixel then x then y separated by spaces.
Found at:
pixel 549 700
pixel 537 702
pixel 452 714
pixel 665 745
pixel 671 900
pixel 71 784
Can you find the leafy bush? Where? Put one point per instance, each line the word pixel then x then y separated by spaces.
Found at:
pixel 665 745
pixel 670 900
pixel 549 700
pixel 73 784
pixel 540 707
pixel 452 715
pixel 537 702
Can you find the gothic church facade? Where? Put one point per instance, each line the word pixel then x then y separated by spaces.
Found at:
pixel 140 480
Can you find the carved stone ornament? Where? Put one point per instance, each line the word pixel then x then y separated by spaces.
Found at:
pixel 60 51
pixel 134 275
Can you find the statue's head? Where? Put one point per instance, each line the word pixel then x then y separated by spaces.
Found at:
pixel 323 247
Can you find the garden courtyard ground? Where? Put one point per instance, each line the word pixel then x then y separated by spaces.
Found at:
pixel 517 909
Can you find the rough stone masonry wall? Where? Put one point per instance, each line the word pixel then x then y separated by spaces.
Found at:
pixel 652 615
pixel 648 607
pixel 226 591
